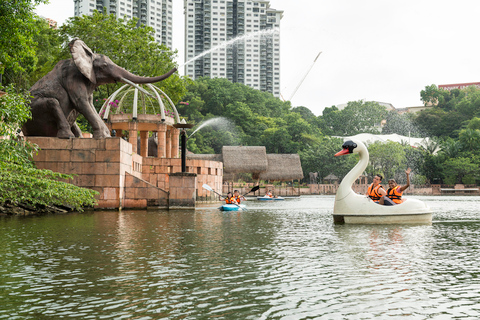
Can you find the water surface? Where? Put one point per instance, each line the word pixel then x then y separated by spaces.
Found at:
pixel 277 260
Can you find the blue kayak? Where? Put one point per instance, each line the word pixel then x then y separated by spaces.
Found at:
pixel 267 198
pixel 233 207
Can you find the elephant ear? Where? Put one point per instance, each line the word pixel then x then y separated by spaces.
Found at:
pixel 83 58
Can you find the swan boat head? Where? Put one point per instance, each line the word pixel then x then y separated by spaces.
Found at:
pixel 348 203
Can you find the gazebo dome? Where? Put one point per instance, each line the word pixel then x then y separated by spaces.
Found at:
pixel 150 99
pixel 147 110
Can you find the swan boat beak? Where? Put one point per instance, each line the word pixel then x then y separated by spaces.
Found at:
pixel 341 153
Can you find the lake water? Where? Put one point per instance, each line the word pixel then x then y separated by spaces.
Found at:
pixel 277 260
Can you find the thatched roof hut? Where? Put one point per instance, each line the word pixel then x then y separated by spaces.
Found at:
pixel 203 156
pixel 255 160
pixel 237 159
pixel 283 167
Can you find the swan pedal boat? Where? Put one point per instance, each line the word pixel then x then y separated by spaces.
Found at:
pixel 352 208
pixel 267 198
pixel 232 207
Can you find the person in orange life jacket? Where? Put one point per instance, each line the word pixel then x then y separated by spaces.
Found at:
pixel 375 191
pixel 230 199
pixel 394 192
pixel 238 197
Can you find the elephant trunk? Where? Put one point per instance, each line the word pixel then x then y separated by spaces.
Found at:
pixel 141 80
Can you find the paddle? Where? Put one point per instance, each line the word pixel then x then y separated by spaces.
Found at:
pixel 253 190
pixel 207 187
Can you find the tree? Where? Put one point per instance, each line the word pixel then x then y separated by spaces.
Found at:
pixel 400 124
pixel 320 158
pixel 49 48
pixel 432 95
pixel 14 111
pixel 305 113
pixel 470 139
pixel 456 169
pixel 17 30
pixel 474 123
pixel 357 117
pixel 386 157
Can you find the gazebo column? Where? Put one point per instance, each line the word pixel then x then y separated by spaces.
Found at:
pixel 168 146
pixel 132 135
pixel 144 143
pixel 162 140
pixel 175 142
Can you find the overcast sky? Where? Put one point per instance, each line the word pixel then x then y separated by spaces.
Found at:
pixel 379 50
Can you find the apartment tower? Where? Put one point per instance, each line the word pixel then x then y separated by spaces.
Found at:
pixel 254 61
pixel 153 13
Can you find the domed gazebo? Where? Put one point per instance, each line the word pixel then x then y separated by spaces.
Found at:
pixel 143 108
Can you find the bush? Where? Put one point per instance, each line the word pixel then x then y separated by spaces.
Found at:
pixel 23 185
pixel 468 179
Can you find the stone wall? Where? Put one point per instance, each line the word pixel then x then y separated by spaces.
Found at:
pixel 123 178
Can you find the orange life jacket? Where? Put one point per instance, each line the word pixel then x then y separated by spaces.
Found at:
pixel 237 199
pixel 372 192
pixel 395 194
pixel 230 200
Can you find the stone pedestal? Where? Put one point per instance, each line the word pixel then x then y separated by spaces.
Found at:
pixel 182 190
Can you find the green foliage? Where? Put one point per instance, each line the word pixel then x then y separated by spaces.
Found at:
pixel 400 124
pixel 474 123
pixel 257 118
pixel 357 117
pixel 20 184
pixel 48 50
pixel 14 110
pixel 457 169
pixel 17 30
pixel 386 158
pixel 418 179
pixel 470 139
pixel 320 158
pixel 452 109
pixel 131 47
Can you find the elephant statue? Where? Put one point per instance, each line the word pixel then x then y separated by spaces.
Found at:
pixel 67 91
pixel 313 177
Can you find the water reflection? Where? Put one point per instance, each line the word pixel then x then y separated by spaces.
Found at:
pixel 275 261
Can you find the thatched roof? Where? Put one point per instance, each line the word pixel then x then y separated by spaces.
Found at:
pixel 283 167
pixel 237 159
pixel 201 156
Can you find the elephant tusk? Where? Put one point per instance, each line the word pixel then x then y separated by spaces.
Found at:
pixel 137 86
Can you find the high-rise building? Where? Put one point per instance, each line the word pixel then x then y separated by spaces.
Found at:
pixel 254 61
pixel 154 13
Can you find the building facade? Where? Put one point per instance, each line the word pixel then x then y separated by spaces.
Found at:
pixel 253 61
pixel 153 13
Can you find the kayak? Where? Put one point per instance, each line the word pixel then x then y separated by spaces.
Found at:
pixel 266 198
pixel 233 207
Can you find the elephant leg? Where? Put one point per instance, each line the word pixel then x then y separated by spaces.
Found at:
pixel 76 130
pixel 43 110
pixel 99 127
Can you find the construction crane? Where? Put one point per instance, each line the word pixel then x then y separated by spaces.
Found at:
pixel 306 74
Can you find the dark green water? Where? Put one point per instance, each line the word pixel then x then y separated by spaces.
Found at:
pixel 278 260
